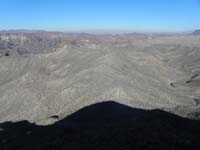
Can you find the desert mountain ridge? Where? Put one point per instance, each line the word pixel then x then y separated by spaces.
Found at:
pixel 56 74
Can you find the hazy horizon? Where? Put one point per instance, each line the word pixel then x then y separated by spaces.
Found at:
pixel 101 31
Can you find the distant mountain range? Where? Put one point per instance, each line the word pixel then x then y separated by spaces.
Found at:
pixel 105 32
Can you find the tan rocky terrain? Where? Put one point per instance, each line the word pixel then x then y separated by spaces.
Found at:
pixel 45 74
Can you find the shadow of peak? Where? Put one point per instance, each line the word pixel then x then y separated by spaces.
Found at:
pixel 21 125
pixel 109 111
pixel 113 113
pixel 106 125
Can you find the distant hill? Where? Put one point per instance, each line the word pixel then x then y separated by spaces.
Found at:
pixel 196 32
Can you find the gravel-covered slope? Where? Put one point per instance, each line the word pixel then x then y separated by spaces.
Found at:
pixel 144 72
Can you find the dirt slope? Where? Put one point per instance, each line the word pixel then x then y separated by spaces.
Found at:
pixel 140 71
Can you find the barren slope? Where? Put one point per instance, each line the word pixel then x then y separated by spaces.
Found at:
pixel 143 72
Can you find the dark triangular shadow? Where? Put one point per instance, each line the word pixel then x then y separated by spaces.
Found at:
pixel 107 125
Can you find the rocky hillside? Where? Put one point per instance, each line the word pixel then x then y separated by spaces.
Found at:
pixel 24 43
pixel 45 74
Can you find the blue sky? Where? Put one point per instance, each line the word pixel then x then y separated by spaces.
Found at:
pixel 139 15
